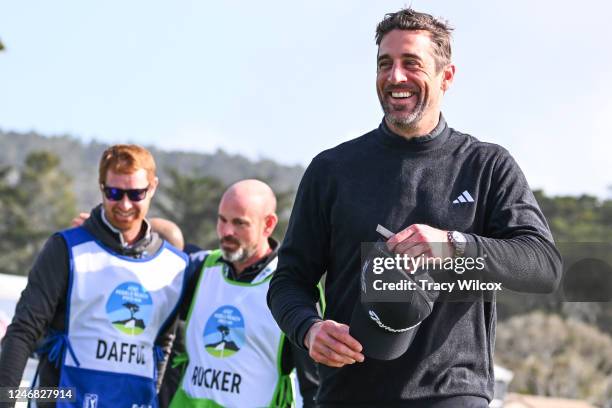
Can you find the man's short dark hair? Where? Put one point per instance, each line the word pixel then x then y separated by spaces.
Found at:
pixel 409 19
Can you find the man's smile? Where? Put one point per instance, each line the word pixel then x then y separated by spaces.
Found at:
pixel 124 215
pixel 401 95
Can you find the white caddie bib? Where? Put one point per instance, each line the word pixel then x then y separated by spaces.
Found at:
pixel 116 308
pixel 233 343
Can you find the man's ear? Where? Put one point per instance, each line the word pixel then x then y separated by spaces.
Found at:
pixel 153 186
pixel 448 75
pixel 270 222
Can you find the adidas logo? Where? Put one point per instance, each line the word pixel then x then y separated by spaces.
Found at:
pixel 464 197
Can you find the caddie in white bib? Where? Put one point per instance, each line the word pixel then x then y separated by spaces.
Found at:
pixel 116 308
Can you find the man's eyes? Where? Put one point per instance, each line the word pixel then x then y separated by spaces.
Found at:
pixel 235 222
pixel 385 64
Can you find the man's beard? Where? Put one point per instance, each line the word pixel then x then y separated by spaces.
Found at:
pixel 112 216
pixel 236 256
pixel 401 120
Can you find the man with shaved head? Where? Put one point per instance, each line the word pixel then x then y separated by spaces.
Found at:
pixel 253 202
pixel 235 353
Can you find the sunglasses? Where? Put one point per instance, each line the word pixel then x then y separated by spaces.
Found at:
pixel 116 194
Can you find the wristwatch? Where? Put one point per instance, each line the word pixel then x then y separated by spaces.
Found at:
pixel 458 241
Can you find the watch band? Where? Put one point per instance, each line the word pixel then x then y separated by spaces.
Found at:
pixel 458 245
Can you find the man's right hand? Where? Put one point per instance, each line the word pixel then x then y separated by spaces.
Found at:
pixel 79 219
pixel 329 342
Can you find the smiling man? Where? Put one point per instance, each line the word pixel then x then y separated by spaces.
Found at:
pixel 413 72
pixel 449 195
pixel 103 295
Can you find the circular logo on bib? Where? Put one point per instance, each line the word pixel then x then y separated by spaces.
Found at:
pixel 129 308
pixel 224 332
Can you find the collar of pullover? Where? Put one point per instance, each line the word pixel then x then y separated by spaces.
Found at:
pixel 427 142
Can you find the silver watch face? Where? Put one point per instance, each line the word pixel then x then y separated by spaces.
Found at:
pixel 458 237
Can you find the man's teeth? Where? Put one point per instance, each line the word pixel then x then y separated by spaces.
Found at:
pixel 401 94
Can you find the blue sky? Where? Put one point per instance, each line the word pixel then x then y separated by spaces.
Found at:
pixel 285 80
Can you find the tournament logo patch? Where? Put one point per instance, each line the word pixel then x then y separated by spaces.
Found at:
pixel 224 333
pixel 129 308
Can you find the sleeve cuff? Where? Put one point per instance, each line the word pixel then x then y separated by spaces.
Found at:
pixel 303 329
pixel 471 249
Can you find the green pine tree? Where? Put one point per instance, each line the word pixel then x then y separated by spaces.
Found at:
pixel 34 203
pixel 191 201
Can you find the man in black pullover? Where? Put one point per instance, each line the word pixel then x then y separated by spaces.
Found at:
pixel 408 175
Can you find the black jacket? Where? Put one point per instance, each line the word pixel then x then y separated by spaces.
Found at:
pixel 382 178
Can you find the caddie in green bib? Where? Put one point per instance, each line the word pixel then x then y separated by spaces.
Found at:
pixel 233 344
